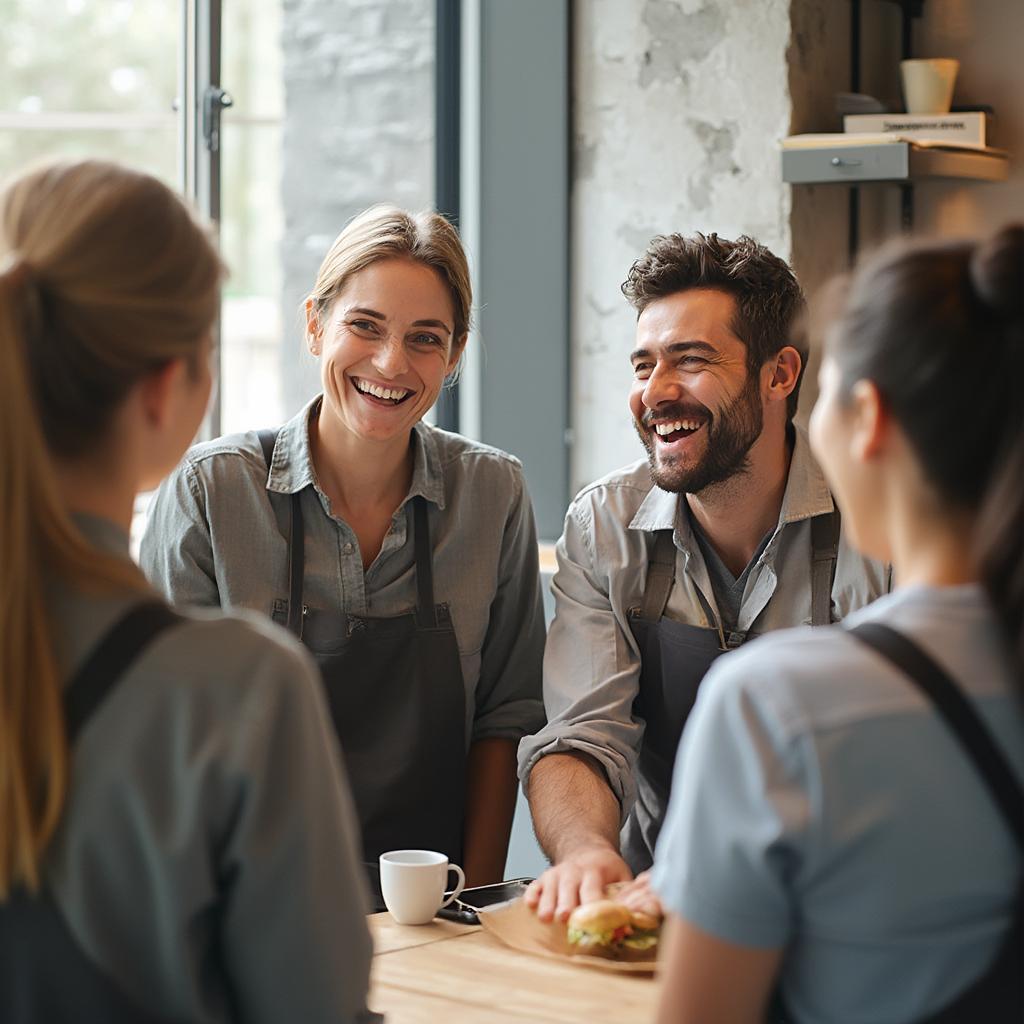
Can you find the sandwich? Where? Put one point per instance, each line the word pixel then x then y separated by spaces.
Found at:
pixel 608 929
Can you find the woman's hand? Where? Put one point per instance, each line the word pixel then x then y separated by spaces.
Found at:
pixel 638 895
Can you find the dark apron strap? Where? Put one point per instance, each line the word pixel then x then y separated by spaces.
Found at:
pixel 661 574
pixel 106 665
pixel 296 563
pixel 45 977
pixel 426 612
pixel 296 540
pixel 958 714
pixel 824 555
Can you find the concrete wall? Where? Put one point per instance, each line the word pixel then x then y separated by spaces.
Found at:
pixel 676 125
pixel 358 129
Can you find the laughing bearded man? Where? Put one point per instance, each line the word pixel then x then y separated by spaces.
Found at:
pixel 726 530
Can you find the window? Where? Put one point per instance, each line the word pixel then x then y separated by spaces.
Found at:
pixel 83 78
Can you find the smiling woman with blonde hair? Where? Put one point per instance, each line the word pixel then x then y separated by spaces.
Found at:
pixel 403 556
pixel 150 867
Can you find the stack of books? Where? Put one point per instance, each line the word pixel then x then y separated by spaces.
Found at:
pixel 957 131
pixel 968 129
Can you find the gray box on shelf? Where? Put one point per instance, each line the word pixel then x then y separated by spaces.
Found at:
pixel 892 161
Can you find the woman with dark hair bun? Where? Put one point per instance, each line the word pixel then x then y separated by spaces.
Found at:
pixel 846 835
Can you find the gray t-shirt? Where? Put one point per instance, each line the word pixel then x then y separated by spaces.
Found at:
pixel 208 851
pixel 728 589
pixel 821 804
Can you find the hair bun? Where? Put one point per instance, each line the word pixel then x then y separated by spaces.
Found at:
pixel 996 271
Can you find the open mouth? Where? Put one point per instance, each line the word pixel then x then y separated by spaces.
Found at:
pixel 675 430
pixel 379 394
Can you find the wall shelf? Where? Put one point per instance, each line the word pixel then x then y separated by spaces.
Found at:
pixel 891 161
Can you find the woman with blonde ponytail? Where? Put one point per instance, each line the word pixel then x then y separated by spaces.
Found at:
pixel 846 830
pixel 150 869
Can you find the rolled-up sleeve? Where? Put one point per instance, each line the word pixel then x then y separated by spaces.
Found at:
pixel 591 666
pixel 509 700
pixel 176 552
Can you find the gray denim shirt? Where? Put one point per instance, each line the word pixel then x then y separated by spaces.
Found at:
pixel 592 662
pixel 208 856
pixel 216 536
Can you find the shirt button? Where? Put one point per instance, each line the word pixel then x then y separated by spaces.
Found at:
pixel 348 549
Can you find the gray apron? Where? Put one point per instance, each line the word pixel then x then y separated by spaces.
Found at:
pixel 397 700
pixel 674 658
pixel 45 977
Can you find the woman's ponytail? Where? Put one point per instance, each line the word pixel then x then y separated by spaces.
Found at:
pixel 33 748
pixel 105 276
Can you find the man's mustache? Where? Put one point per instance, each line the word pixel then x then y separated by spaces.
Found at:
pixel 678 411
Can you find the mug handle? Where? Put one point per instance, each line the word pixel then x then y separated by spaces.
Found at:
pixel 457 891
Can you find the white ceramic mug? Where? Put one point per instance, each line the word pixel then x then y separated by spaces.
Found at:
pixel 928 84
pixel 412 883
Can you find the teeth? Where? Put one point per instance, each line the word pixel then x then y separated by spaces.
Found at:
pixel 664 429
pixel 378 392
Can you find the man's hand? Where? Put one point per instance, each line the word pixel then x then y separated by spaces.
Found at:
pixel 580 878
pixel 638 895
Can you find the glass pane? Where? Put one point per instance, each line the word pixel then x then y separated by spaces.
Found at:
pixel 251 317
pixel 251 215
pixel 90 78
pixel 333 111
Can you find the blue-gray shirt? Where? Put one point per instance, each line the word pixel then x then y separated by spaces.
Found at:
pixel 208 853
pixel 821 804
pixel 216 536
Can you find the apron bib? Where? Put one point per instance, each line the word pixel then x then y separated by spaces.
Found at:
pixel 674 658
pixel 397 699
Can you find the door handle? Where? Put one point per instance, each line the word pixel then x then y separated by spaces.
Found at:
pixel 215 100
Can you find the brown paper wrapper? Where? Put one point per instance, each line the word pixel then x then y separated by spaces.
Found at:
pixel 518 926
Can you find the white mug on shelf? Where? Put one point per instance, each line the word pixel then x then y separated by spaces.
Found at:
pixel 412 883
pixel 928 84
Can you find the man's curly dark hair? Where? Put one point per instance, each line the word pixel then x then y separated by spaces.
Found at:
pixel 770 304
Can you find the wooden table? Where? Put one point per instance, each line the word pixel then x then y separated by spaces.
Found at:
pixel 457 974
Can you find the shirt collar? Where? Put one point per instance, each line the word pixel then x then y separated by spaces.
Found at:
pixel 291 468
pixel 427 471
pixel 806 494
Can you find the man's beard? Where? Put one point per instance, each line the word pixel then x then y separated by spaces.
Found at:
pixel 731 435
